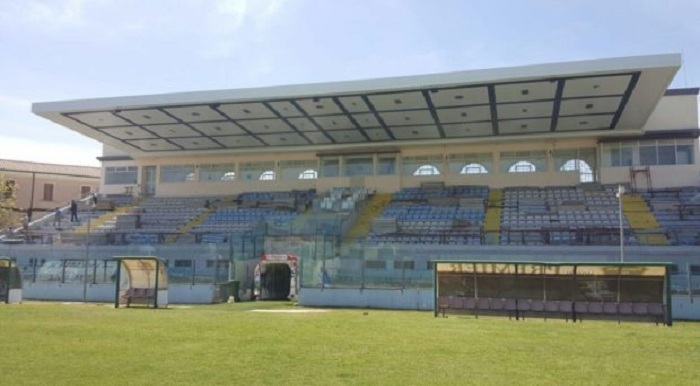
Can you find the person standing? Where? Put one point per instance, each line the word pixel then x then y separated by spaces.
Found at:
pixel 57 217
pixel 73 211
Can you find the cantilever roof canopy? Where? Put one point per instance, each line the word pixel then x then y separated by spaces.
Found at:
pixel 595 97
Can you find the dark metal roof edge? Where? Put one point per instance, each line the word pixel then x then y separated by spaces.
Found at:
pixel 665 134
pixel 115 158
pixel 682 91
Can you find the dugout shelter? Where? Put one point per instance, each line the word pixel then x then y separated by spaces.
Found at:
pixel 141 280
pixel 10 281
pixel 572 290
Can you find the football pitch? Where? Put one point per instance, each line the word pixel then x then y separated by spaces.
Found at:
pixel 231 344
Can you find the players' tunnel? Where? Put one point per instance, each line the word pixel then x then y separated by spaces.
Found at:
pixel 275 281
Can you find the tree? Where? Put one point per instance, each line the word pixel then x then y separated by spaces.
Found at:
pixel 8 194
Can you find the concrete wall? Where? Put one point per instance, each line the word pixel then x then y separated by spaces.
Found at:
pixel 104 293
pixel 674 113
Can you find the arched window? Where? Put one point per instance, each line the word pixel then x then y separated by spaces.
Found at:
pixel 427 170
pixel 474 168
pixel 522 167
pixel 308 174
pixel 228 176
pixel 582 166
pixel 267 176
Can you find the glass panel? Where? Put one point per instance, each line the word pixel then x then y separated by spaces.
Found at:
pixel 121 175
pixel 647 155
pixel 330 167
pixel 298 170
pixel 626 156
pixel 470 163
pixel 386 165
pixel 176 173
pixel 667 155
pixel 223 172
pixel 252 171
pixel 684 154
pixel 358 166
pixel 421 165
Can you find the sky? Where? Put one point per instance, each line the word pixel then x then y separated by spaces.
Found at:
pixel 53 50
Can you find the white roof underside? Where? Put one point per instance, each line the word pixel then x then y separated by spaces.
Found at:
pixel 572 99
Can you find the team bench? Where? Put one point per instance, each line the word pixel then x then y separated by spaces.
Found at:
pixel 567 309
pixel 139 296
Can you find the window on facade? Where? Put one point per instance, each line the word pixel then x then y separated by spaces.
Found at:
pixel 293 170
pixel 85 191
pixel 176 173
pixel 523 161
pixel 476 163
pixel 308 175
pixel 358 166
pixel 183 264
pixel 222 172
pixel 252 171
pixel 667 152
pixel 473 169
pixel 684 151
pixel 330 167
pixel 48 192
pixel 386 165
pixel 427 170
pixel 121 175
pixel 522 167
pixel 584 169
pixel 421 165
pixel 649 152
pixel 267 176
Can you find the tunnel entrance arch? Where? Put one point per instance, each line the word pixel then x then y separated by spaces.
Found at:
pixel 275 277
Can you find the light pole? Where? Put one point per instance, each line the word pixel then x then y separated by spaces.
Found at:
pixel 620 192
pixel 87 251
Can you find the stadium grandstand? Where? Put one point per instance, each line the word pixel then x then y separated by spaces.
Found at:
pixel 360 186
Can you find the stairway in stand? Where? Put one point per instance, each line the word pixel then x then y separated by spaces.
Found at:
pixel 185 229
pixel 492 220
pixel 642 221
pixel 106 219
pixel 362 226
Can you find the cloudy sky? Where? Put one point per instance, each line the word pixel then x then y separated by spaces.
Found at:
pixel 54 50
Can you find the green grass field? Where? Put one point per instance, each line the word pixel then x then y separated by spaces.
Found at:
pixel 52 343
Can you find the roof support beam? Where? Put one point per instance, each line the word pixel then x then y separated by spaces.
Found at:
pixel 351 118
pixel 433 113
pixel 180 121
pixel 557 105
pixel 625 98
pixel 377 116
pixel 494 110
pixel 307 116
pixel 285 120
pixel 216 108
